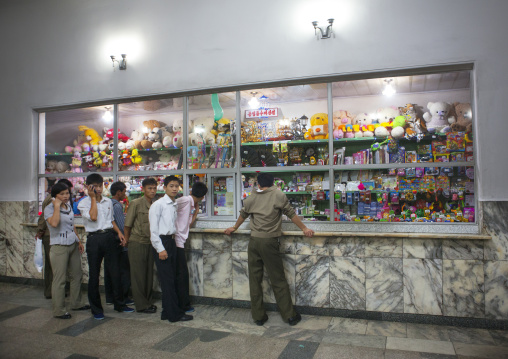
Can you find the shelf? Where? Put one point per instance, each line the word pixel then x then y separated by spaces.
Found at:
pixel 289 142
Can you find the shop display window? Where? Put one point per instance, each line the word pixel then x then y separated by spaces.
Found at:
pixel 150 135
pixel 72 141
pixel 410 194
pixel 212 131
pixel 134 186
pixel 285 126
pixel 373 126
pixel 381 149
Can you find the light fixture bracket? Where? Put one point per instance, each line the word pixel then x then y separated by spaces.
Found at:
pixel 323 34
pixel 122 64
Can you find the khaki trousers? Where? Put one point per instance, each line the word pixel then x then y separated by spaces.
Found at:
pixel 265 252
pixel 48 272
pixel 141 266
pixel 65 258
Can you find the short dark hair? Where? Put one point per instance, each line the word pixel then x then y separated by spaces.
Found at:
pixel 58 188
pixel 199 189
pixel 66 182
pixel 94 178
pixel 265 180
pixel 170 179
pixel 149 181
pixel 117 187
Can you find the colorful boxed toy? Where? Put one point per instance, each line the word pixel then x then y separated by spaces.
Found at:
pixel 441 158
pixel 411 157
pixel 457 157
pixel 439 147
pixel 455 141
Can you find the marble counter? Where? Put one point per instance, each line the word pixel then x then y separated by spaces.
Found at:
pixel 448 275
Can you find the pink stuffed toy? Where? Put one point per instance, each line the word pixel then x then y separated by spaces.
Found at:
pixel 341 118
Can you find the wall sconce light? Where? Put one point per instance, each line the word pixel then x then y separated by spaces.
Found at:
pixel 108 116
pixel 122 64
pixel 254 103
pixel 326 34
pixel 388 90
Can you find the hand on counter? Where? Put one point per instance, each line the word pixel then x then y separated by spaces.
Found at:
pixel 229 230
pixel 308 232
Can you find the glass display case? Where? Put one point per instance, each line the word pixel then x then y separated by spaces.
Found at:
pixel 275 130
pixel 395 147
pixel 73 141
pixel 150 135
pixel 211 140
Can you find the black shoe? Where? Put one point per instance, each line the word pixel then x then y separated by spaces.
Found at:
pixel 64 316
pixel 148 310
pixel 154 307
pixel 85 307
pixel 295 320
pixel 185 318
pixel 261 321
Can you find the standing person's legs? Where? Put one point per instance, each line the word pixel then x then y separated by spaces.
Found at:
pixel 95 254
pixel 48 272
pixel 59 258
pixel 125 273
pixel 269 251
pixel 138 257
pixel 182 279
pixel 108 287
pixel 166 271
pixel 76 275
pixel 112 266
pixel 255 279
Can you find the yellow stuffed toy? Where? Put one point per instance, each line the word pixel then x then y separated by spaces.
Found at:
pixel 318 127
pixel 91 135
pixel 135 157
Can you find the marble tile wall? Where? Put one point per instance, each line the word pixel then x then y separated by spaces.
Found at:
pixel 462 278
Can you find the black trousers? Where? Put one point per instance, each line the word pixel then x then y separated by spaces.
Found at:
pixel 166 271
pixel 125 278
pixel 182 279
pixel 98 247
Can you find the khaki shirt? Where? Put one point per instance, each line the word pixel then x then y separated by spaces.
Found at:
pixel 41 222
pixel 137 220
pixel 265 210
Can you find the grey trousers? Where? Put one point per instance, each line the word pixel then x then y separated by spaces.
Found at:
pixel 65 258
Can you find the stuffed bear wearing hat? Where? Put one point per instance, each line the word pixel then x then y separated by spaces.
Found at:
pixel 438 119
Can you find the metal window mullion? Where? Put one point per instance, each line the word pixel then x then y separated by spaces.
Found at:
pixel 115 141
pixel 330 150
pixel 185 140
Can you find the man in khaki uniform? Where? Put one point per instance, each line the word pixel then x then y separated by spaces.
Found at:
pixel 43 232
pixel 265 206
pixel 137 235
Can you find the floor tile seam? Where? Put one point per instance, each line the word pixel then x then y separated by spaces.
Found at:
pixel 420 351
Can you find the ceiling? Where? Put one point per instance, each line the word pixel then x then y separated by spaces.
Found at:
pixel 370 87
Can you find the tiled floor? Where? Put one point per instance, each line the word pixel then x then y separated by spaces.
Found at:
pixel 28 330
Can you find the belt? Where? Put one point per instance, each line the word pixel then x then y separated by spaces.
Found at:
pixel 101 231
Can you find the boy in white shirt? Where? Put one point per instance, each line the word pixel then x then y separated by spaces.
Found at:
pixel 162 217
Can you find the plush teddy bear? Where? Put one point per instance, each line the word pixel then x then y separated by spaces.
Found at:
pixel 364 121
pixel 91 135
pixel 384 116
pixel 76 162
pixel 438 119
pixel 341 118
pixel 148 128
pixel 177 132
pixel 318 127
pixel 51 166
pixel 464 117
pixel 167 136
pixel 137 136
pixel 202 127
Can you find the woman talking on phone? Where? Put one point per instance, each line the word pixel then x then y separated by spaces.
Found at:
pixel 66 250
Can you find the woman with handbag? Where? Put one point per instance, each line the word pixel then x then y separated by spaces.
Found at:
pixel 65 253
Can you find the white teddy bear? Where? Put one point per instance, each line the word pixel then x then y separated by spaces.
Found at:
pixel 364 121
pixel 177 132
pixel 202 127
pixel 384 116
pixel 437 118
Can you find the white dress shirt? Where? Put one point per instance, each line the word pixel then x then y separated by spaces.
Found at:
pixel 104 214
pixel 162 217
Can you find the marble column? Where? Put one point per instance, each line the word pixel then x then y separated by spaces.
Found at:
pixel 463 288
